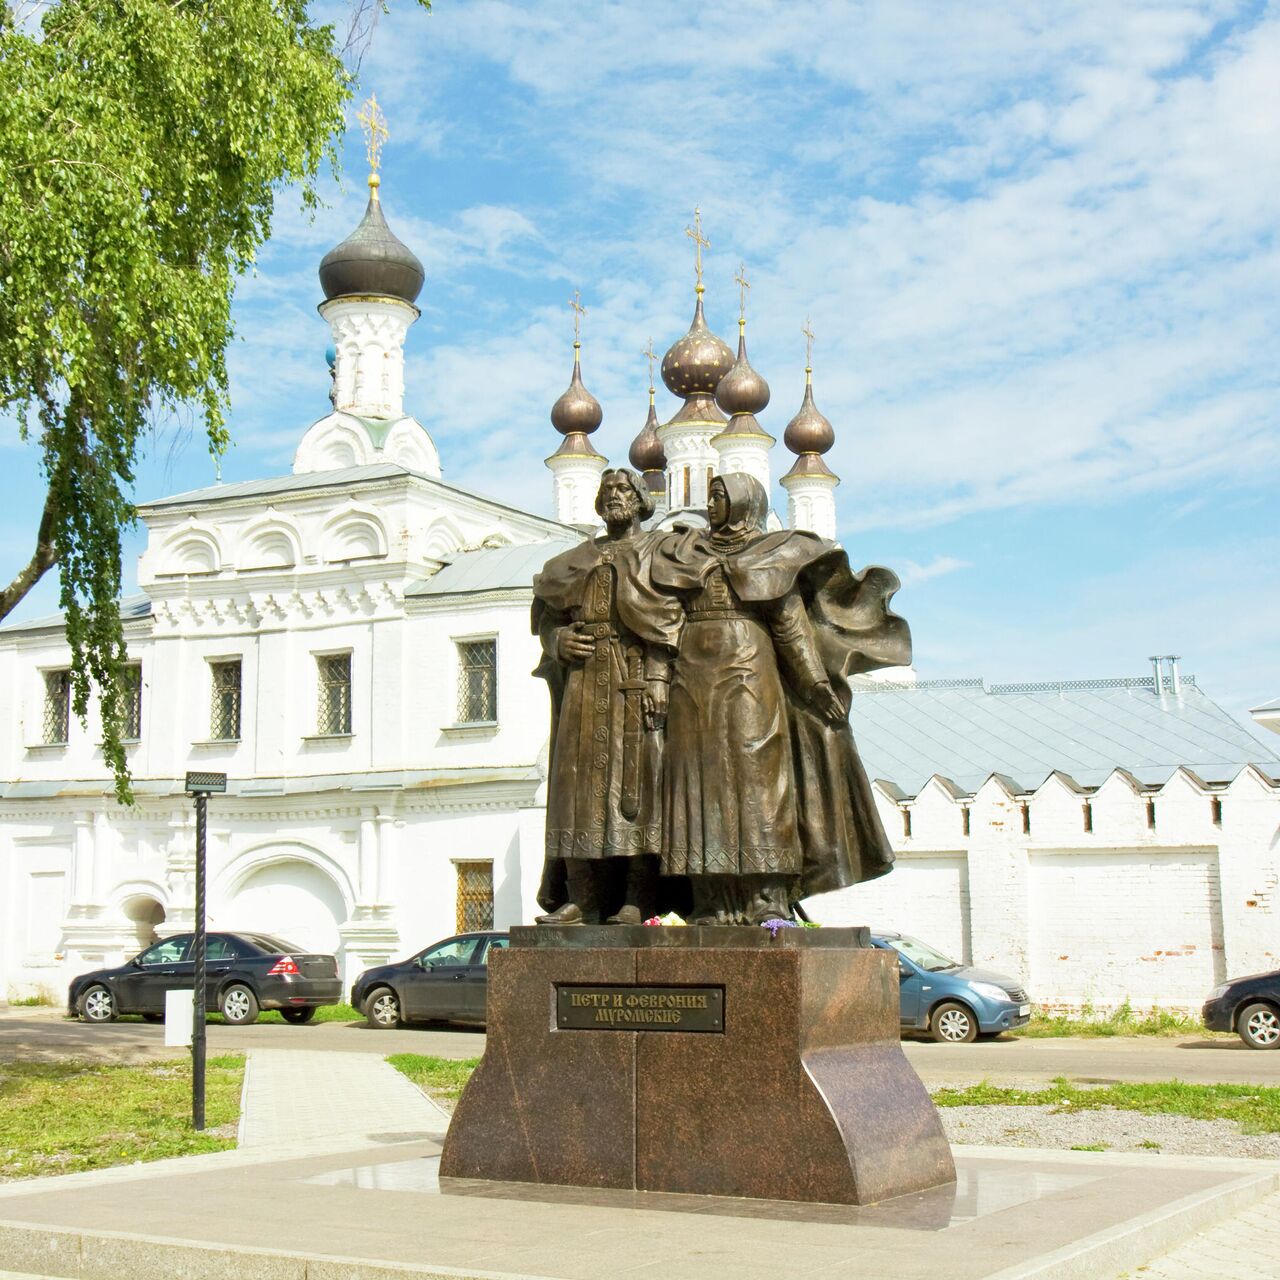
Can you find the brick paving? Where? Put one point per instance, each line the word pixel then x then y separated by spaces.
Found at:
pixel 1244 1247
pixel 306 1096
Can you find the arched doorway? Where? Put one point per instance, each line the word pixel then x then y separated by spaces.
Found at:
pixel 144 913
pixel 289 899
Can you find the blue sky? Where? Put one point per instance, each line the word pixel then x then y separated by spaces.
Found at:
pixel 1037 242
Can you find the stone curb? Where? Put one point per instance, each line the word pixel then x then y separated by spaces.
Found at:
pixel 1141 1239
pixel 108 1255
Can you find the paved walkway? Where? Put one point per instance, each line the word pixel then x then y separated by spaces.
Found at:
pixel 306 1096
pixel 1245 1247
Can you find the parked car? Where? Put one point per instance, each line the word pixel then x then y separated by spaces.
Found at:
pixel 445 982
pixel 1248 1006
pixel 245 972
pixel 955 1003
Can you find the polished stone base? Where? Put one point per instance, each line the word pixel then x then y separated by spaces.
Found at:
pixel 804 1095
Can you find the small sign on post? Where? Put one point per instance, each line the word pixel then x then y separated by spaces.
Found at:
pixel 201 786
pixel 177 1018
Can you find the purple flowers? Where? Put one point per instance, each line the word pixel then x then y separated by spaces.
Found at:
pixel 774 925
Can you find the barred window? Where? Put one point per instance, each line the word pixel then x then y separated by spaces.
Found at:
pixel 335 692
pixel 131 699
pixel 475 896
pixel 224 711
pixel 57 707
pixel 477 681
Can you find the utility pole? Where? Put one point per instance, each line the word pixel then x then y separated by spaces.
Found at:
pixel 200 786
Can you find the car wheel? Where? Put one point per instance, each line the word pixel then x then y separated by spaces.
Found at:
pixel 297 1016
pixel 952 1023
pixel 382 1009
pixel 1259 1026
pixel 239 1005
pixel 153 1017
pixel 98 1005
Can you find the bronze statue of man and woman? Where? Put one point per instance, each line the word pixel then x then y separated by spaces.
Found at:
pixel 701 758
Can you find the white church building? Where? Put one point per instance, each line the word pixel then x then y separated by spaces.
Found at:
pixel 350 644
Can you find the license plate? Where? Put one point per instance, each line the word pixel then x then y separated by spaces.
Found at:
pixel 1023 1010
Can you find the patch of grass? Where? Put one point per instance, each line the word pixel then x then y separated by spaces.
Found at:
pixel 325 1013
pixel 1091 1146
pixel 41 1001
pixel 1122 1021
pixel 1255 1108
pixel 62 1117
pixel 440 1078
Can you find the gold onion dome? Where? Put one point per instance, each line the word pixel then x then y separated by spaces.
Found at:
pixel 371 261
pixel 694 364
pixel 742 389
pixel 646 454
pixel 577 412
pixel 809 431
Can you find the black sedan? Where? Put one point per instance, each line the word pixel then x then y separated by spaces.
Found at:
pixel 448 982
pixel 245 972
pixel 1248 1006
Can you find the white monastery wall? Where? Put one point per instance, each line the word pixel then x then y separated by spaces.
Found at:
pixel 1167 894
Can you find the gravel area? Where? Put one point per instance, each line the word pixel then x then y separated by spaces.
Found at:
pixel 1113 1129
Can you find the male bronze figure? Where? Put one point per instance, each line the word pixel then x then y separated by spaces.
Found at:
pixel 608 642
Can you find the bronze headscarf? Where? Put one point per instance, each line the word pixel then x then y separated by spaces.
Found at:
pixel 748 507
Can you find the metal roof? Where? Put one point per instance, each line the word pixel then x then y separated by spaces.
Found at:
pixel 964 732
pixel 490 569
pixel 297 483
pixel 131 607
pixel 1273 705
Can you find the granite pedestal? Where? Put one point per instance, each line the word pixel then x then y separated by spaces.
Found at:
pixel 604 1066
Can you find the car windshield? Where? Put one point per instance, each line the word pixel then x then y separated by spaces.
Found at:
pixel 265 942
pixel 921 954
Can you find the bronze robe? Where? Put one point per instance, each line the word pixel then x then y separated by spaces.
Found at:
pixel 755 781
pixel 603 768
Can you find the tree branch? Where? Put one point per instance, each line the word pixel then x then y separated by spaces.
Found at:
pixel 42 560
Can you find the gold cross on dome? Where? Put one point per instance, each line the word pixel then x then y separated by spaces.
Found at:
pixel 651 357
pixel 808 345
pixel 743 285
pixel 374 124
pixel 578 312
pixel 700 242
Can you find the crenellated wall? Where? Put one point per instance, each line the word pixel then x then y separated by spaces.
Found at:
pixel 1147 894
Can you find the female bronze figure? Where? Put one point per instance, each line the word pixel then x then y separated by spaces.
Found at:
pixel 764 799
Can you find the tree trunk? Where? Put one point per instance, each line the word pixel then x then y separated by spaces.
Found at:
pixel 42 560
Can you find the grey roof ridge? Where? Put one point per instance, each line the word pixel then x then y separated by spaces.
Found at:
pixel 372 470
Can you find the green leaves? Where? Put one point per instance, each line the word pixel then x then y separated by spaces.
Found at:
pixel 142 143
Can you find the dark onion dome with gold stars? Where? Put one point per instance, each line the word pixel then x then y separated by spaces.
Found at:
pixel 647 455
pixel 576 413
pixel 371 261
pixel 694 364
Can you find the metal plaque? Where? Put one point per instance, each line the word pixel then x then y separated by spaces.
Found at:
pixel 618 1008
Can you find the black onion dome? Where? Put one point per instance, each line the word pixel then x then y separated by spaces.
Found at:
pixel 577 410
pixel 809 431
pixel 646 452
pixel 695 363
pixel 742 389
pixel 371 261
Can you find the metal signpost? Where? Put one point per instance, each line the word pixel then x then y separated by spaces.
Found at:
pixel 201 786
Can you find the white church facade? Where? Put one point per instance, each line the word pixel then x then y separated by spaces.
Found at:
pixel 350 644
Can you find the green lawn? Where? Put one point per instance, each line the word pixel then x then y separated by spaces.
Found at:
pixel 66 1116
pixel 1255 1108
pixel 326 1013
pixel 1119 1022
pixel 440 1078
